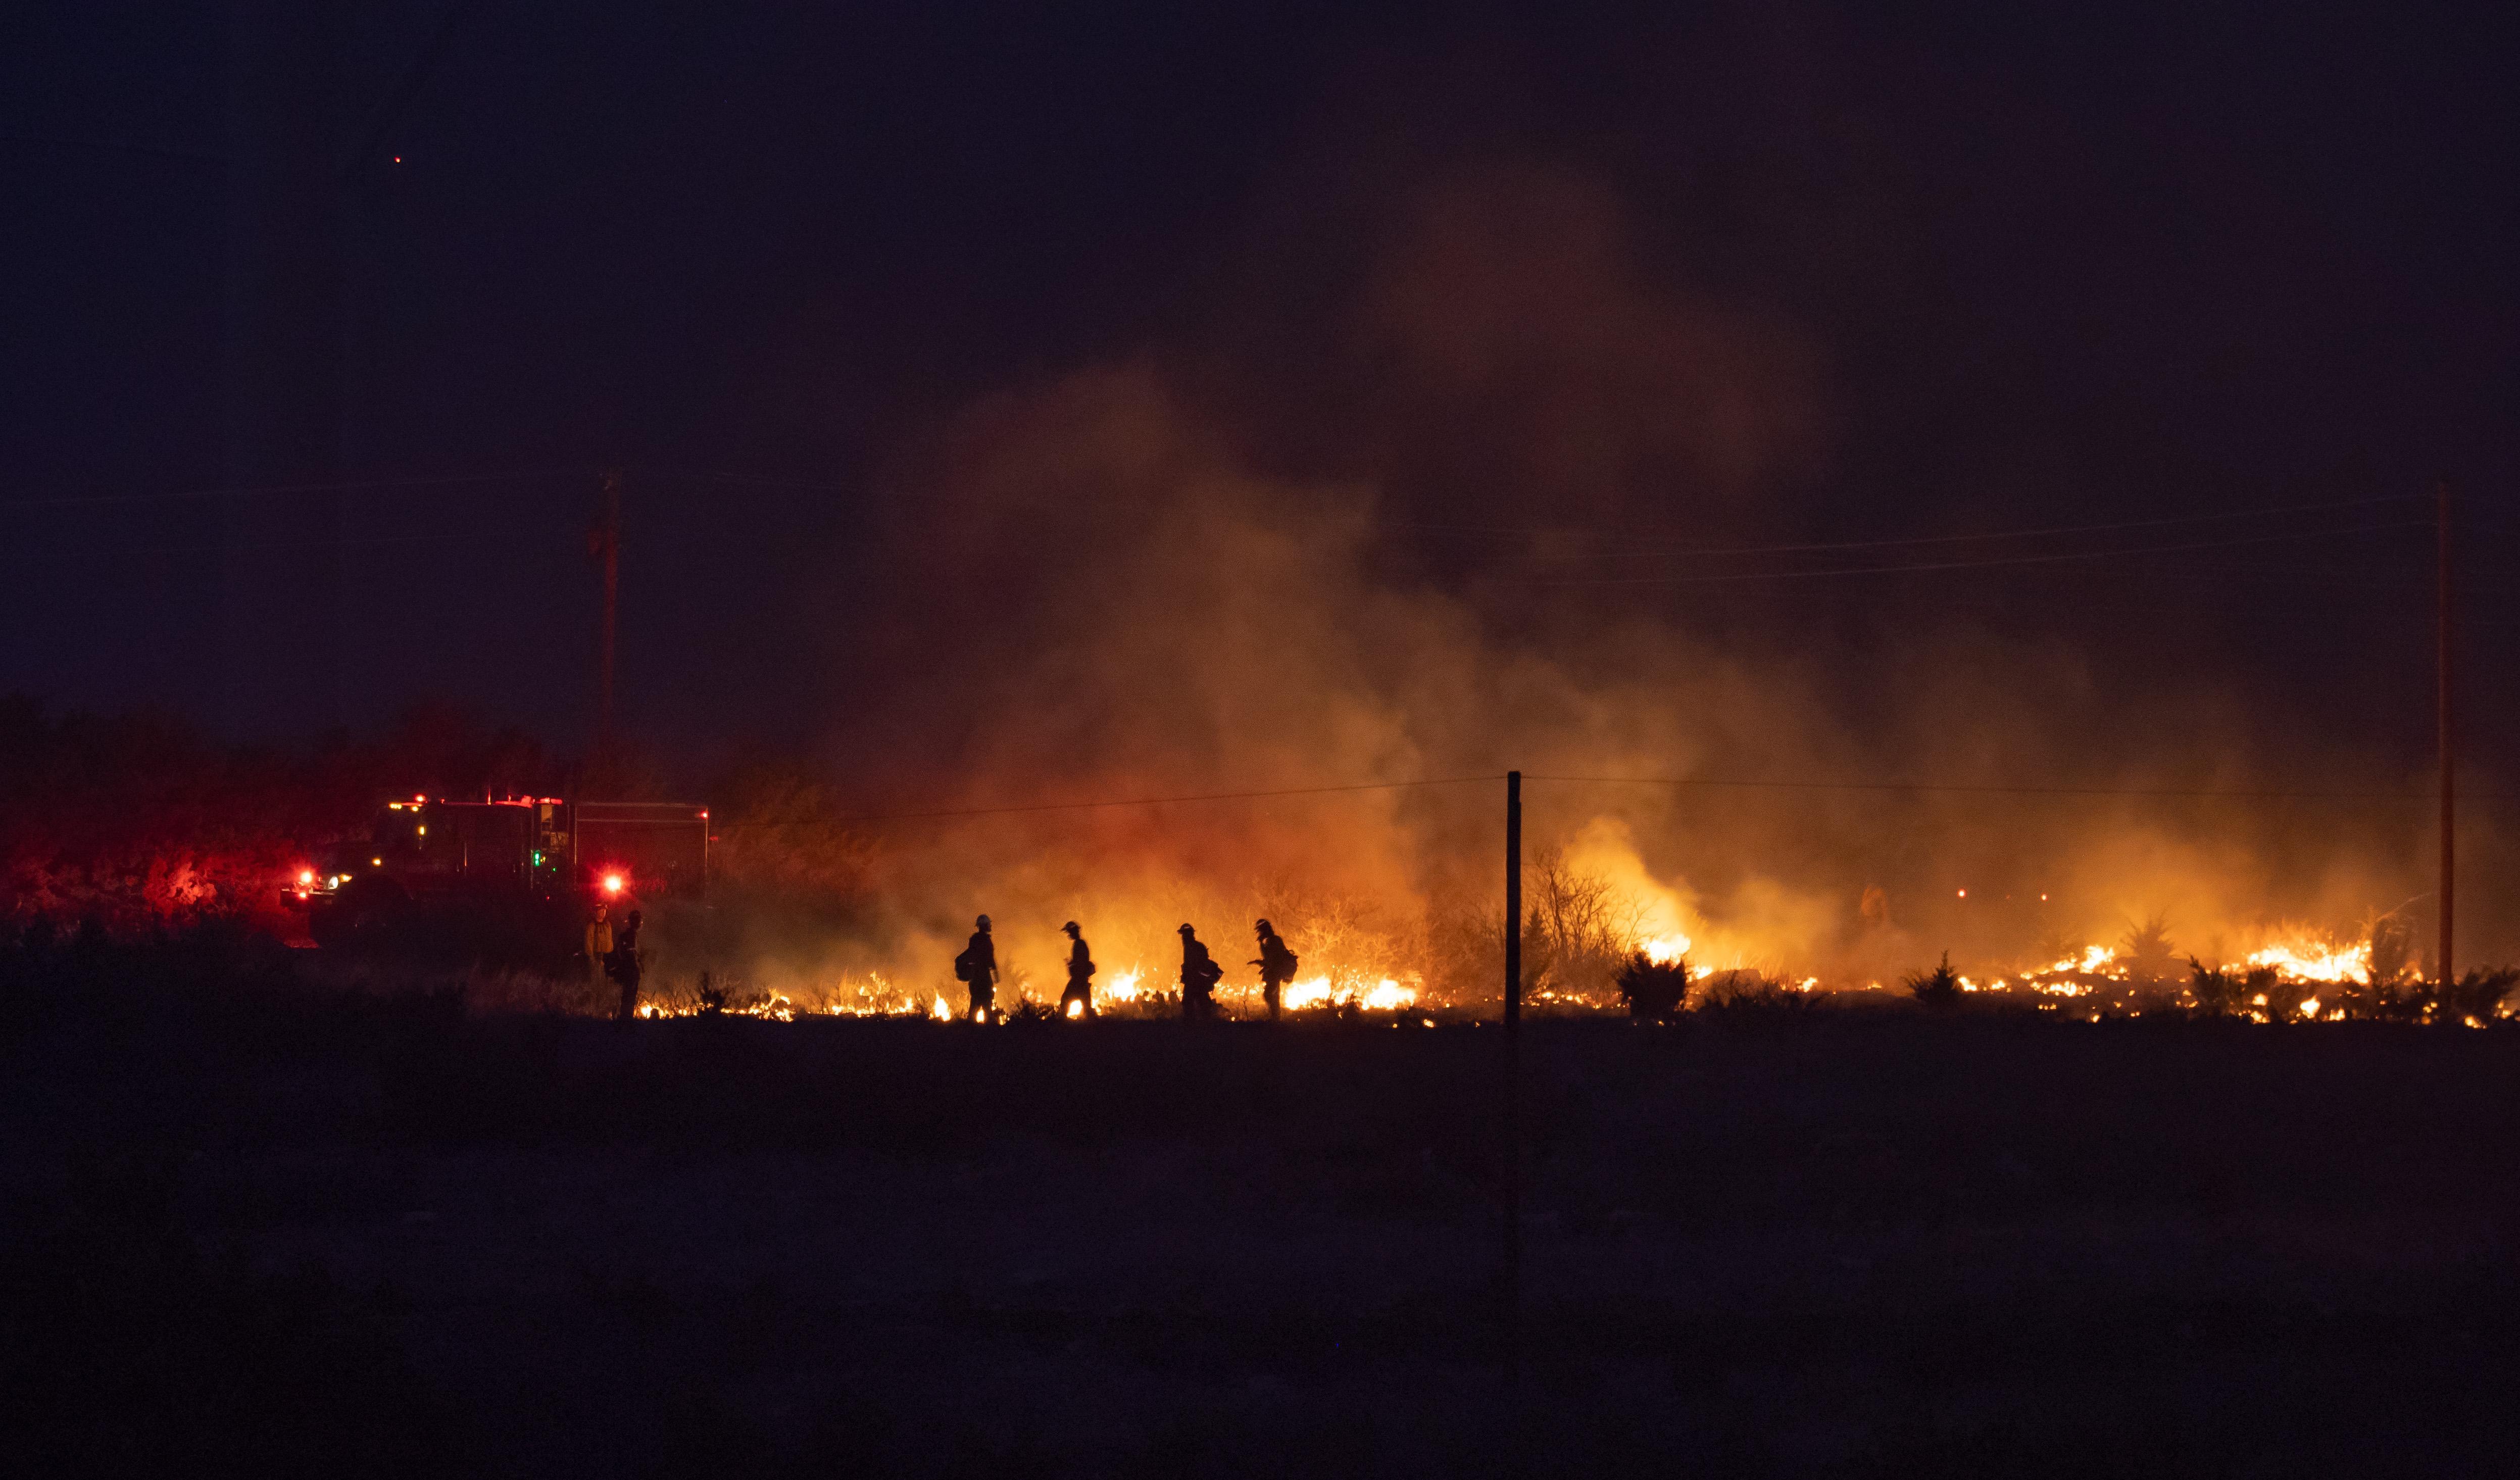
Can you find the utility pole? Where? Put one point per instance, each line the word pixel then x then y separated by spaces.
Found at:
pixel 2448 751
pixel 1511 1295
pixel 603 543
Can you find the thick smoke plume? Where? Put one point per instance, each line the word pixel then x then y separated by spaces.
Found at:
pixel 1155 578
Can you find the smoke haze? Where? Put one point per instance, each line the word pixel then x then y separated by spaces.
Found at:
pixel 1158 576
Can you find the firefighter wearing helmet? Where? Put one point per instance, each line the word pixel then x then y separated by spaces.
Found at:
pixel 1277 966
pixel 1078 1002
pixel 977 968
pixel 1199 974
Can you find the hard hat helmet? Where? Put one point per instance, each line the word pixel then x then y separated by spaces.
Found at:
pixel 1185 930
pixel 984 921
pixel 1261 926
pixel 1070 927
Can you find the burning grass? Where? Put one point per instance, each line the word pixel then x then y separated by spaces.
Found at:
pixel 2293 975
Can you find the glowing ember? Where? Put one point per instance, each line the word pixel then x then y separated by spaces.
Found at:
pixel 1075 1009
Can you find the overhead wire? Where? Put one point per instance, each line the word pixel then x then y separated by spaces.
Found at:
pixel 2167 792
pixel 2053 559
pixel 1085 806
pixel 255 490
pixel 2172 793
pixel 1929 539
pixel 292 542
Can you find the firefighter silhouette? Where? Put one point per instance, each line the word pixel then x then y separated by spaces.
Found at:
pixel 622 961
pixel 1198 977
pixel 977 967
pixel 1077 1000
pixel 1277 966
pixel 598 942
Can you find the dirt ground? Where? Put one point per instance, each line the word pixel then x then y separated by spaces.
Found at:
pixel 273 1236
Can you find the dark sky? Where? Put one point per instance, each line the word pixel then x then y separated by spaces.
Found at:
pixel 1990 268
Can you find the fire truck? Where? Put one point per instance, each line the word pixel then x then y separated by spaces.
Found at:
pixel 509 880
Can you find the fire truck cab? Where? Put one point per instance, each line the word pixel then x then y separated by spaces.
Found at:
pixel 507 879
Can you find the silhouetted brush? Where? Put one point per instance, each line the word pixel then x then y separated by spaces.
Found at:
pixel 1653 988
pixel 1938 988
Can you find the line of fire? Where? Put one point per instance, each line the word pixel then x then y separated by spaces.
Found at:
pixel 512 884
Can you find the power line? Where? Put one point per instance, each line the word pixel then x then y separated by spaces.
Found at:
pixel 260 489
pixel 2261 794
pixel 297 542
pixel 1940 787
pixel 1930 539
pixel 711 477
pixel 2025 560
pixel 1134 801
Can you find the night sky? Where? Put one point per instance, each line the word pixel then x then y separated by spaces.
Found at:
pixel 1964 270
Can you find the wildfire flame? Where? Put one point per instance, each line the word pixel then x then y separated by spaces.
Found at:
pixel 1388 995
pixel 2311 961
pixel 2093 961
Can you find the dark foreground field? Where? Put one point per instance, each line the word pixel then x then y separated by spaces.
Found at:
pixel 257 1229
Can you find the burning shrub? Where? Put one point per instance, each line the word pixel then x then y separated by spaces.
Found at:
pixel 2477 996
pixel 2146 952
pixel 2219 992
pixel 2479 993
pixel 2393 949
pixel 1749 993
pixel 1576 935
pixel 1939 988
pixel 1653 989
pixel 2279 998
